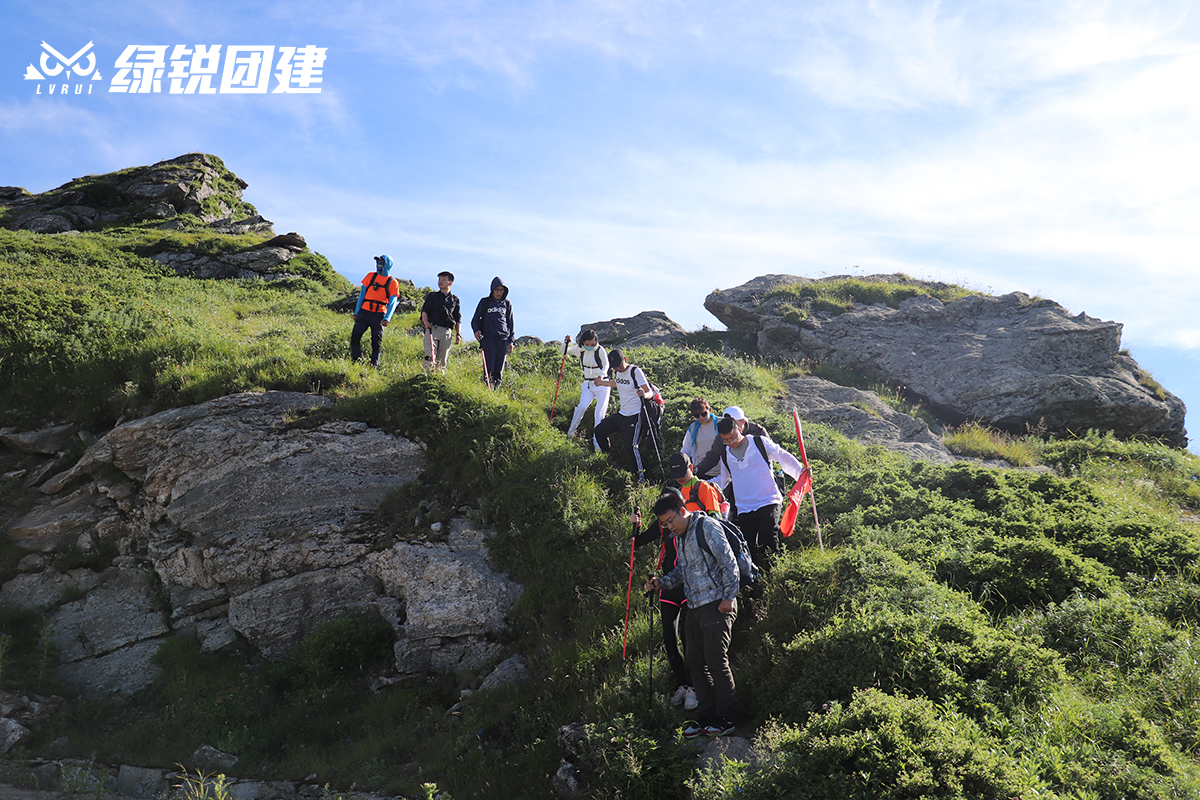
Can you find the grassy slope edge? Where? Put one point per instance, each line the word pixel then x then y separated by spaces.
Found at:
pixel 968 632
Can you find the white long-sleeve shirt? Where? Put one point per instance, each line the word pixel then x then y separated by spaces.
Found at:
pixel 594 362
pixel 753 481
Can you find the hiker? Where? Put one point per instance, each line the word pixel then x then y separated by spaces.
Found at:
pixel 710 585
pixel 700 495
pixel 593 360
pixel 376 303
pixel 671 603
pixel 746 464
pixel 699 437
pixel 493 327
pixel 710 464
pixel 441 316
pixel 631 385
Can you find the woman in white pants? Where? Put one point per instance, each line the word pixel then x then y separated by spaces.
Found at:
pixel 593 359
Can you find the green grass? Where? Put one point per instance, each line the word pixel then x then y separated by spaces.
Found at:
pixel 979 441
pixel 968 632
pixel 840 295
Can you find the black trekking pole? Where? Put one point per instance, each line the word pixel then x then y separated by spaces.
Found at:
pixel 650 649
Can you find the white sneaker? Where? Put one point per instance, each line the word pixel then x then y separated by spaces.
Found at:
pixel 679 696
pixel 689 700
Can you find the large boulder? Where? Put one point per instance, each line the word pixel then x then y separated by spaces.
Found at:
pixel 646 328
pixel 1013 362
pixel 245 522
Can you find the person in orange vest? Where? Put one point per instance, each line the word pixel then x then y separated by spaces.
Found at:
pixel 376 303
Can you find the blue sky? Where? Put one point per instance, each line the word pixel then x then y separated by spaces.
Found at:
pixel 611 157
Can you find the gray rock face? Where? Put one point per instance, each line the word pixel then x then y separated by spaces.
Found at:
pixel 195 183
pixel 1008 361
pixel 234 525
pixel 260 262
pixel 646 328
pixel 863 416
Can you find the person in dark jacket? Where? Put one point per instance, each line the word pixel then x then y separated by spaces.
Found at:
pixel 493 326
pixel 442 319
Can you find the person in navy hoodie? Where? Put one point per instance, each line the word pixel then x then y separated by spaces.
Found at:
pixel 493 326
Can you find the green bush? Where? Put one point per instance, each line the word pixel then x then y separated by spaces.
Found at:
pixel 883 745
pixel 896 630
pixel 623 760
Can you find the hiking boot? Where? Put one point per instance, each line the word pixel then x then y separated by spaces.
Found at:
pixel 689 700
pixel 722 728
pixel 680 696
pixel 693 731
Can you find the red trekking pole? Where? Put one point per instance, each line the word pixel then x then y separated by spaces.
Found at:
pixel 560 372
pixel 483 357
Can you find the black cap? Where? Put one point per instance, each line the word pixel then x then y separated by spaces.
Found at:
pixel 449 275
pixel 679 465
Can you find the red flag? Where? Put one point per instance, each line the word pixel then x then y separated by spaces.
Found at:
pixel 803 486
pixel 787 522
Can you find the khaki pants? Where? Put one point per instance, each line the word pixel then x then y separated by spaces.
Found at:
pixel 437 348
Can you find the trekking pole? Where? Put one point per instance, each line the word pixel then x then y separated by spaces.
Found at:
pixel 483 357
pixel 431 356
pixel 560 372
pixel 650 646
pixel 628 595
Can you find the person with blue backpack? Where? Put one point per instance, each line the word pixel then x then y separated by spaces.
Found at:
pixel 699 437
pixel 707 569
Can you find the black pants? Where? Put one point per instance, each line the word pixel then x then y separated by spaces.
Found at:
pixel 674 617
pixel 631 428
pixel 495 351
pixel 761 529
pixel 362 321
pixel 708 632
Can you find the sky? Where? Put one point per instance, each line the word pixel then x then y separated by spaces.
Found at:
pixel 611 157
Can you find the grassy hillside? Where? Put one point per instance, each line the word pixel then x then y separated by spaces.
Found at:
pixel 967 633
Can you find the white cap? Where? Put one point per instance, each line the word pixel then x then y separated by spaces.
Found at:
pixel 734 413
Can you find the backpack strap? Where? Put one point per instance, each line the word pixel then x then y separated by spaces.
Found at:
pixel 762 448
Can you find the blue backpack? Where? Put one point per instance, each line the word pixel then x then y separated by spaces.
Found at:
pixel 748 571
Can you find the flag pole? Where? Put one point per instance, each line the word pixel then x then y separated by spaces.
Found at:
pixel 811 493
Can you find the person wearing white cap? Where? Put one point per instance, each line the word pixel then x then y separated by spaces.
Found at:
pixel 708 464
pixel 746 464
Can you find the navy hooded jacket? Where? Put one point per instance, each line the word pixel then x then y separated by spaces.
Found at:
pixel 494 317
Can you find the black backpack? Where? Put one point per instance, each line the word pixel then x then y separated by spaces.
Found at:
pixel 748 571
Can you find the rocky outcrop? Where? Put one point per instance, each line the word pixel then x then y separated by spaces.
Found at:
pixel 243 524
pixel 267 261
pixel 863 416
pixel 1012 362
pixel 647 328
pixel 196 184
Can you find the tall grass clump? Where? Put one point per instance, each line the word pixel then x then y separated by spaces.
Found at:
pixel 979 441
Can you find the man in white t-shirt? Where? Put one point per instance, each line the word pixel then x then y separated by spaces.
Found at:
pixel 631 385
pixel 746 463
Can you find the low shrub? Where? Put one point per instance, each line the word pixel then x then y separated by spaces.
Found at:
pixel 884 745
